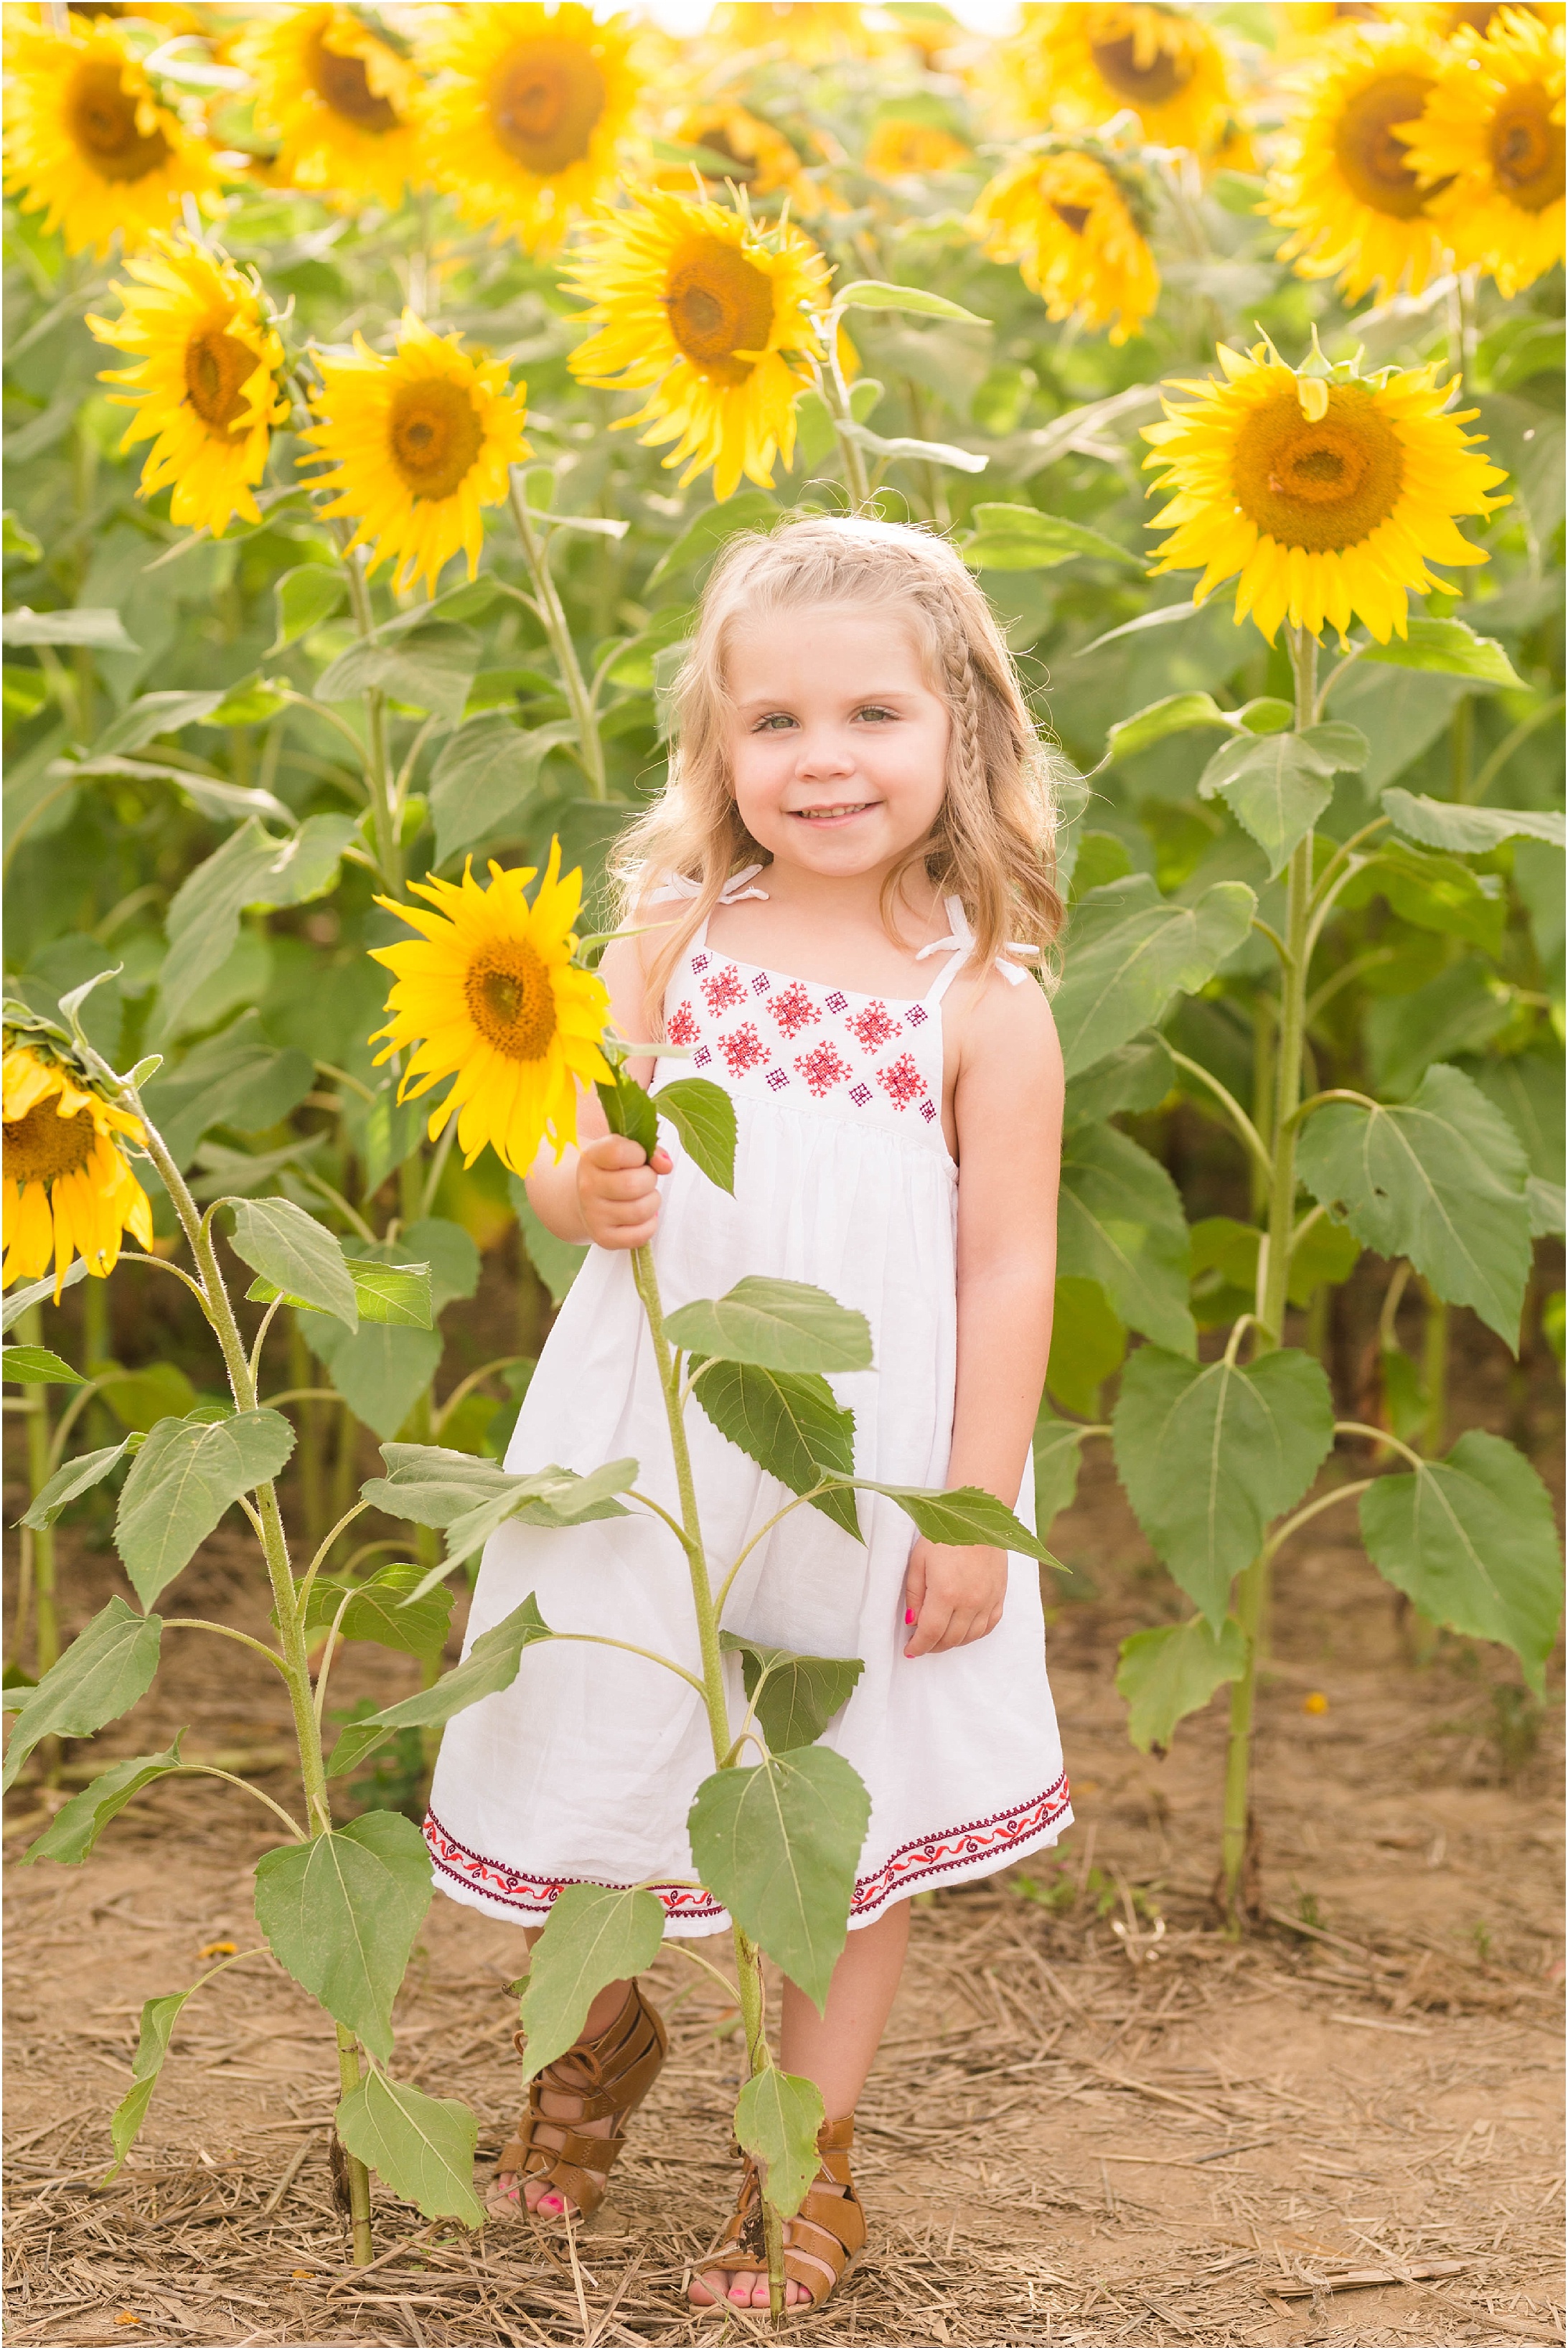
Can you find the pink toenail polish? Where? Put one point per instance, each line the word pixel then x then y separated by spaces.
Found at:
pixel 908 1615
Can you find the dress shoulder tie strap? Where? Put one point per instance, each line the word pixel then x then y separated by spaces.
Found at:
pixel 681 885
pixel 960 945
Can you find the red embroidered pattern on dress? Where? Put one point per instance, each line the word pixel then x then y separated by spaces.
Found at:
pixel 743 1049
pixel 794 1010
pixel 901 1081
pixel 724 990
pixel 875 1026
pixel 682 1026
pixel 994 1842
pixel 821 1068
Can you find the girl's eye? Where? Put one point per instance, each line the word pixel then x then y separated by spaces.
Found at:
pixel 773 722
pixel 874 710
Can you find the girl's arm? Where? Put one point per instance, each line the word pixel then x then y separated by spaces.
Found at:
pixel 602 1187
pixel 1008 1108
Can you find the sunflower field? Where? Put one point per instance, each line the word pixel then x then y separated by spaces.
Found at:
pixel 380 384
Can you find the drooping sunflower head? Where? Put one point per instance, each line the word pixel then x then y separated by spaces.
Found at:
pixel 811 32
pixel 760 159
pixel 530 106
pixel 1070 221
pixel 420 442
pixel 89 145
pixel 340 99
pixel 1489 147
pixel 1080 62
pixel 715 314
pixel 1344 184
pixel 67 1185
pixel 1328 495
pixel 1445 18
pixel 903 148
pixel 489 995
pixel 205 390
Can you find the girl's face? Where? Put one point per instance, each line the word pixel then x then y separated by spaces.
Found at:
pixel 838 746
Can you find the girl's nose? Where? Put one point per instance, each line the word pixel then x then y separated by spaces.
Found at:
pixel 824 753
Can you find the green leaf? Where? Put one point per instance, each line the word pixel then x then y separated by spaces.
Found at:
pixel 305 597
pixel 778 1844
pixel 204 920
pixel 1278 786
pixel 1058 1455
pixel 100 628
pixel 1473 1542
pixel 703 1115
pixel 781 1326
pixel 548 1497
pixel 1129 951
pixel 593 1935
pixel 962 1514
pixel 431 1484
pixel 1022 538
pixel 628 1109
pixel 1439 1179
pixel 428 667
pixel 791 1424
pixel 1548 1205
pixel 295 1254
pixel 1326 1253
pixel 875 293
pixel 187 1473
pixel 1447 646
pixel 106 1667
pixel 152 714
pixel 794 1697
pixel 76 1477
pixel 1469 831
pixel 139 1399
pixel 1137 1076
pixel 777 2117
pixel 1211 1454
pixel 1528 1089
pixel 1435 892
pixel 37 1367
pixel 423 2146
pixel 36 1292
pixel 751 510
pixel 380 1370
pixel 1164 617
pixel 236 1079
pixel 1177 713
pixel 381 1610
pixel 396 1294
pixel 341 1914
pixel 926 452
pixel 482 780
pixel 1089 1344
pixel 490 1665
pixel 251 702
pixel 74 1831
pixel 1120 1223
pixel 1169 1673
pixel 1458 1011
pixel 19 539
pixel 158 2017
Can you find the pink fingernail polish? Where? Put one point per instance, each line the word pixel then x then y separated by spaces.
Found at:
pixel 908 1615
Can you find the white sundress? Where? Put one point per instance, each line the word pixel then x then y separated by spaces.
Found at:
pixel 585 1769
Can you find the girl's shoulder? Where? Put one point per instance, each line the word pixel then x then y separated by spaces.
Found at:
pixel 1001 1022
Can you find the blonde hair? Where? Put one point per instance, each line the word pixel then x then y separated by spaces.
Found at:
pixel 992 845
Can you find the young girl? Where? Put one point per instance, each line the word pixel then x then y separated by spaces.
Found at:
pixel 849 871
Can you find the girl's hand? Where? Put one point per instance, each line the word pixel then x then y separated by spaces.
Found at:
pixel 617 1192
pixel 952 1597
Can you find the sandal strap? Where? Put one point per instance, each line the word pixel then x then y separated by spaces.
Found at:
pixel 607 2076
pixel 833 2224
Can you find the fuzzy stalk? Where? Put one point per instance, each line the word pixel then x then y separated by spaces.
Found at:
pixel 382 782
pixel 553 614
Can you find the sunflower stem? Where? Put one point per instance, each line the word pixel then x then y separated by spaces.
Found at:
pixel 836 392
pixel 46 1624
pixel 383 788
pixel 553 614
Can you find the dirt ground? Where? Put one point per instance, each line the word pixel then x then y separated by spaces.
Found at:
pixel 1096 2120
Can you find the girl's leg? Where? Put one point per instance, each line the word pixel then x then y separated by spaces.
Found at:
pixel 537 2194
pixel 834 2050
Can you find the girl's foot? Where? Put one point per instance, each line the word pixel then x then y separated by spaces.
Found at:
pixel 821 2243
pixel 567 2142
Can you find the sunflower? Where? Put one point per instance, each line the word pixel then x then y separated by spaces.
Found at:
pixel 761 158
pixel 1343 183
pixel 1329 497
pixel 901 149
pixel 489 995
pixel 1081 64
pixel 339 98
pixel 205 392
pixel 1066 220
pixel 1491 139
pixel 68 1186
pixel 1446 17
pixel 713 312
pixel 89 145
pixel 421 441
pixel 524 122
pixel 811 32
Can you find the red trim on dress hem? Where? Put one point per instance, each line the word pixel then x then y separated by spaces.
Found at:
pixel 931 1856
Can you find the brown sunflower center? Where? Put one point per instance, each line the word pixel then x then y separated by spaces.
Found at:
pixel 510 1000
pixel 1073 216
pixel 1322 486
pixel 343 83
pixel 718 303
pixel 546 97
pixel 1527 148
pixel 217 368
pixel 435 436
pixel 102 118
pixel 1372 159
pixel 1142 78
pixel 42 1144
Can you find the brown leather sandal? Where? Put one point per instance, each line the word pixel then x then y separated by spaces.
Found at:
pixel 609 2076
pixel 822 2243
